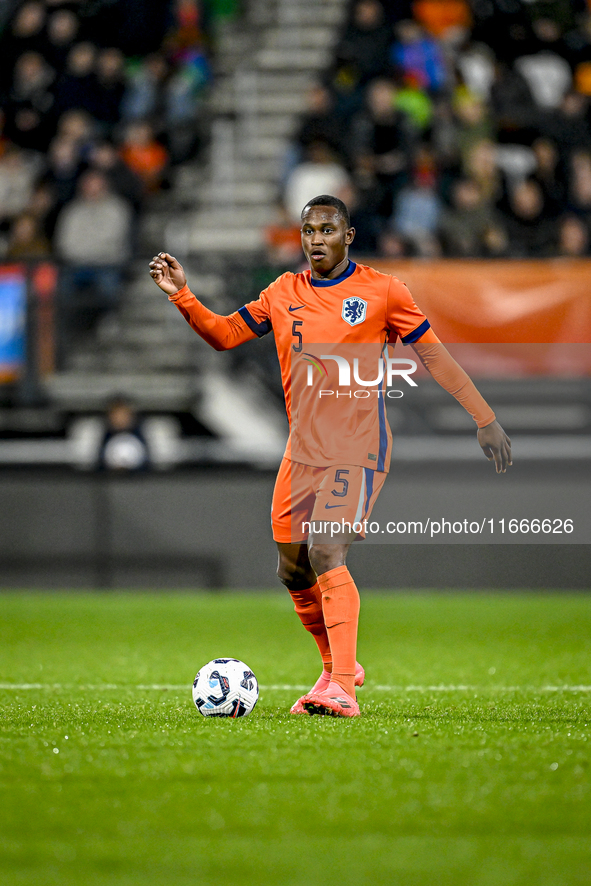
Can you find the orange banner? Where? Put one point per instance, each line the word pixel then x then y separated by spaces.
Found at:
pixel 500 301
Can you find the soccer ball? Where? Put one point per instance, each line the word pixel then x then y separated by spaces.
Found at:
pixel 225 687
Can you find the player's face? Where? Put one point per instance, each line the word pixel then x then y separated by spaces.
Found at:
pixel 325 241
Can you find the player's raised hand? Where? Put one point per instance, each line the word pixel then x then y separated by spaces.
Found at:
pixel 167 273
pixel 496 445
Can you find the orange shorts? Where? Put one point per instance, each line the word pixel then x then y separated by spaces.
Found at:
pixel 305 495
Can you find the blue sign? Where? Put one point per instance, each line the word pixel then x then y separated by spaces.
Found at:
pixel 13 313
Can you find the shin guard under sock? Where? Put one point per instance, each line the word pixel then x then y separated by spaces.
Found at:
pixel 308 605
pixel 340 605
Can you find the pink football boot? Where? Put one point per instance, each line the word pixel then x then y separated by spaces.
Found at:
pixel 333 702
pixel 321 685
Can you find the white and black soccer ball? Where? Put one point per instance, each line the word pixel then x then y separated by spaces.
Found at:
pixel 225 687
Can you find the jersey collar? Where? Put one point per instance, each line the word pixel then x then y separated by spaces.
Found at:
pixel 336 280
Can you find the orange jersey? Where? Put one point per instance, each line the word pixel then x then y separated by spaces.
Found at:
pixel 361 307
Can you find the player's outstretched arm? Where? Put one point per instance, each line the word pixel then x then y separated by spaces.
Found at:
pixel 496 445
pixel 167 273
pixel 435 357
pixel 218 331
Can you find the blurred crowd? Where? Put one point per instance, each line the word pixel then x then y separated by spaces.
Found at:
pixel 452 129
pixel 98 100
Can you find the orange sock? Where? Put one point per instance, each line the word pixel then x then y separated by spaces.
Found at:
pixel 308 605
pixel 340 604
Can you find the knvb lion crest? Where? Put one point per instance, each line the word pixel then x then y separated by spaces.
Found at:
pixel 354 310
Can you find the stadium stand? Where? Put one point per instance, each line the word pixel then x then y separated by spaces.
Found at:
pixel 453 130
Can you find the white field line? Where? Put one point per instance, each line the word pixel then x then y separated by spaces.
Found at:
pixel 283 687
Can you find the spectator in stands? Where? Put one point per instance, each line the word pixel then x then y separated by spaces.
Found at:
pixel 104 157
pixel 146 90
pixel 144 155
pixel 31 81
pixel 18 171
pixel 548 175
pixel 472 121
pixel 93 238
pixel 445 143
pixel 109 88
pixel 577 40
pixel 191 71
pixel 505 27
pixel 27 242
pixel 30 102
pixel 469 227
pixel 418 55
pixel 582 78
pixel 93 229
pixel 64 165
pixel 573 237
pixel 530 232
pixel 381 140
pixel 363 48
pixel 418 207
pixel 579 190
pixel 578 43
pixel 184 96
pixel 481 165
pixel 513 107
pixel 413 100
pixel 25 34
pixel 568 125
pixel 319 173
pixel 62 30
pixel 361 55
pixel 76 87
pixel 550 26
pixel 443 18
pixel 548 75
pixel 320 122
pixel 475 65
pixel 367 205
pixel 41 206
pixel 186 30
pixel 159 90
pixel 79 127
pixel 123 447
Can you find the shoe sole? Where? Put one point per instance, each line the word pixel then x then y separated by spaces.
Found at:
pixel 324 710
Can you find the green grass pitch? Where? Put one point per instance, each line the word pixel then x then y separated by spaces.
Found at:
pixel 468 767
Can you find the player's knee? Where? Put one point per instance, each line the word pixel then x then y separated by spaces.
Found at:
pixel 326 557
pixel 294 576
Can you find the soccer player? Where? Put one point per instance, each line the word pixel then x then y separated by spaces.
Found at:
pixel 336 457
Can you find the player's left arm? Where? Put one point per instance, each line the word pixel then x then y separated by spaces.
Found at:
pixel 435 357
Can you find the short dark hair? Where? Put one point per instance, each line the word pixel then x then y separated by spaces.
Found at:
pixel 327 200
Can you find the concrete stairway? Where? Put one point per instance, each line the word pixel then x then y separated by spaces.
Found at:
pixel 266 64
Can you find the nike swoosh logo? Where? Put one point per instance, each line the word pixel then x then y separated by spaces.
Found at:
pixel 327 506
pixel 299 308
